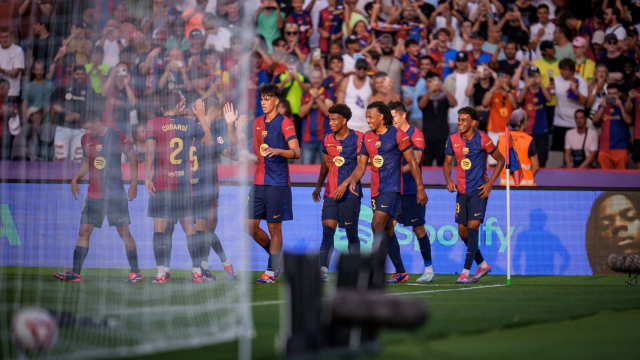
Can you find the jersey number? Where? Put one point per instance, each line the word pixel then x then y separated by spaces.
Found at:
pixel 457 208
pixel 175 152
pixel 373 204
pixel 193 158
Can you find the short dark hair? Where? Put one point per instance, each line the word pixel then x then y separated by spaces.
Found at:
pixel 207 52
pixel 169 99
pixel 89 115
pixel 543 6
pixel 442 30
pixel 374 55
pixel 270 90
pixel 277 40
pixel 427 57
pixel 398 106
pixel 69 58
pixel 336 57
pixel 567 63
pixel 341 109
pixel 611 86
pixel 383 109
pixel 5 29
pixel 564 30
pixel 432 74
pixel 43 20
pixel 615 11
pixel 39 61
pixel 504 69
pixel 583 111
pixel 598 13
pixel 468 110
pixel 122 63
pixel 410 42
pixel 79 67
pixel 380 74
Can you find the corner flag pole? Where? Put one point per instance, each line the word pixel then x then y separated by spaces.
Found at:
pixel 506 151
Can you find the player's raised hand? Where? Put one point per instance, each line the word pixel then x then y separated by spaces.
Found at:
pixel 243 120
pixel 133 190
pixel 339 192
pixel 352 188
pixel 422 197
pixel 485 190
pixel 451 186
pixel 199 112
pixel 150 187
pixel 229 115
pixel 75 190
pixel 181 106
pixel 316 194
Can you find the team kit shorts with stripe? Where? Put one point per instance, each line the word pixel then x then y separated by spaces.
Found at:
pixel 470 206
pixel 116 210
pixel 387 202
pixel 346 211
pixel 410 212
pixel 206 207
pixel 171 204
pixel 270 203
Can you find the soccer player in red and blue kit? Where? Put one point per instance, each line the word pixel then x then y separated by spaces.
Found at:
pixel 470 148
pixel 410 212
pixel 341 149
pixel 102 147
pixel 169 140
pixel 275 141
pixel 386 146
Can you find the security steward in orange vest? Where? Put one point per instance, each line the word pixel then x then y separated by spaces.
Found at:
pixel 524 146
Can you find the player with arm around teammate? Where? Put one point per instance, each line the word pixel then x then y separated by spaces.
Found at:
pixel 102 148
pixel 385 145
pixel 341 148
pixel 470 148
pixel 410 212
pixel 275 141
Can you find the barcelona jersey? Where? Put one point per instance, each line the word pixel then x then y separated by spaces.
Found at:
pixel 614 132
pixel 104 154
pixel 315 125
pixel 271 170
pixel 304 24
pixel 472 157
pixel 343 157
pixel 417 141
pixel 204 165
pixel 330 22
pixel 385 152
pixel 411 70
pixel 173 136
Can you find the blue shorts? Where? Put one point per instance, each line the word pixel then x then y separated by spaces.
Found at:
pixel 206 207
pixel 410 212
pixel 470 206
pixel 387 202
pixel 271 203
pixel 346 211
pixel 171 204
pixel 115 209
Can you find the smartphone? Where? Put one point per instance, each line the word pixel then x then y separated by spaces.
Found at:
pixel 511 7
pixel 291 69
pixel 122 71
pixel 490 15
pixel 357 56
pixel 179 64
pixel 504 38
pixel 531 73
pixel 317 54
pixel 611 100
pixel 480 70
pixel 340 5
pixel 525 55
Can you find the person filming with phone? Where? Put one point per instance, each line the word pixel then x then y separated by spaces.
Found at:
pixel 120 99
pixel 614 130
pixel 175 74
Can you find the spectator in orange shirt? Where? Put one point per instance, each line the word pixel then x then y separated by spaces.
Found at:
pixel 193 18
pixel 501 101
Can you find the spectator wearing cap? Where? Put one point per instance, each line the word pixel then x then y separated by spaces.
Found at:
pixel 440 52
pixel 112 43
pixel 69 102
pixel 571 95
pixel 541 31
pixel 501 101
pixel 460 85
pixel 614 60
pixel 175 75
pixel 533 99
pixel 314 111
pixel 612 20
pixel 584 67
pixel 415 117
pixel 330 24
pixel 525 148
pixel 301 17
pixel 389 63
pixel 435 106
pixel 292 36
pixel 269 22
pixel 216 37
pixel 548 67
pixel 152 64
pixel 355 91
pixel 580 144
pixel 38 91
pixel 162 15
pixel 614 130
pixel 409 52
pixel 120 99
pixel 193 17
pixel 293 84
pixel 11 62
pixel 348 58
pixel 476 55
pixel 194 54
pixel 597 43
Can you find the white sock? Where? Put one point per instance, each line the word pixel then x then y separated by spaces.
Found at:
pixel 483 264
pixel 196 270
pixel 466 272
pixel 226 263
pixel 428 268
pixel 323 270
pixel 205 264
pixel 270 273
pixel 160 270
pixel 166 269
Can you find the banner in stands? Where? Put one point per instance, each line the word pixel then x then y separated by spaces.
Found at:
pixel 553 232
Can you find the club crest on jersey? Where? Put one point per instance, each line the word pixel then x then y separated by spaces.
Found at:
pixel 264 134
pixel 339 149
pixel 378 161
pixel 465 164
pixel 338 161
pixel 220 140
pixel 99 162
pixel 378 143
pixel 465 150
pixel 98 147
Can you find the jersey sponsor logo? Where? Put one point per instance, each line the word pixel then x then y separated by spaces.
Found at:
pixel 263 149
pixel 174 127
pixel 378 144
pixel 465 164
pixel 176 173
pixel 98 147
pixel 338 161
pixel 195 181
pixel 220 140
pixel 99 163
pixel 339 149
pixel 264 134
pixel 378 161
pixel 465 150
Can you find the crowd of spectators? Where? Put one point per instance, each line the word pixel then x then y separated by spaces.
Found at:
pixel 570 65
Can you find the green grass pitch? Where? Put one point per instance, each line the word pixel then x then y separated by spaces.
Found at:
pixel 537 317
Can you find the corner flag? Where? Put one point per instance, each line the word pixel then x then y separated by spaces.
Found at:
pixel 513 163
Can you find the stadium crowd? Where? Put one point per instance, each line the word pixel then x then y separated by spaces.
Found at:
pixel 569 65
